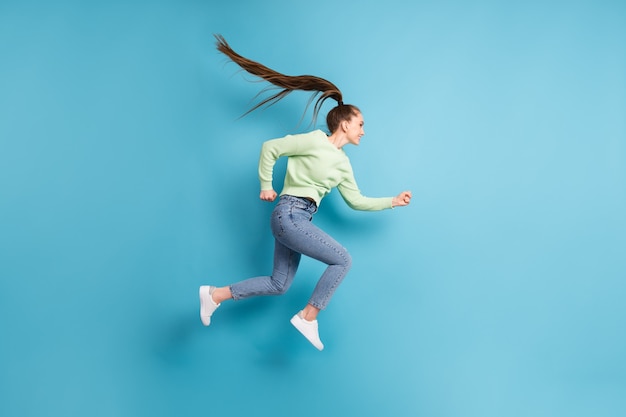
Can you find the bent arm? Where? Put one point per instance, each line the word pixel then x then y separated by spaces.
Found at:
pixel 270 152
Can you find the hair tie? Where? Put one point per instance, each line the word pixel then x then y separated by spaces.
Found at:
pixel 340 103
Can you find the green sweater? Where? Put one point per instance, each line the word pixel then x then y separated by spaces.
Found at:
pixel 314 167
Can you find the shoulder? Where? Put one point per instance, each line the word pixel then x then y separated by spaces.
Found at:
pixel 315 134
pixel 315 139
pixel 319 134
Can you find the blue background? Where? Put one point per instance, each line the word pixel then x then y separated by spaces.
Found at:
pixel 127 180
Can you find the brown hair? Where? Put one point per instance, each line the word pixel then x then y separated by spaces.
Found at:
pixel 287 83
pixel 339 114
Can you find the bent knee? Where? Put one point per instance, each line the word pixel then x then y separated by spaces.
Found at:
pixel 278 288
pixel 347 263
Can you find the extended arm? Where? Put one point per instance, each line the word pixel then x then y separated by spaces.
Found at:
pixel 357 201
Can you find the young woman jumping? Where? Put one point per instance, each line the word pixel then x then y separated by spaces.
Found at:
pixel 316 164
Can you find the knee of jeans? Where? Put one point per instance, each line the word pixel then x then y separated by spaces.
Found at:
pixel 280 290
pixel 279 287
pixel 347 260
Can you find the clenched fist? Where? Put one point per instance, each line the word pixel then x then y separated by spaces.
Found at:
pixel 268 195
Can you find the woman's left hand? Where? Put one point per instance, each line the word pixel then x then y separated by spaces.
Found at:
pixel 268 195
pixel 402 199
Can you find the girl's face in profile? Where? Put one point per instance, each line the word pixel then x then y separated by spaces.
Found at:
pixel 354 129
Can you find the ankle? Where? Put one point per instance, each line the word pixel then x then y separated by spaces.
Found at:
pixel 221 294
pixel 308 318
pixel 310 313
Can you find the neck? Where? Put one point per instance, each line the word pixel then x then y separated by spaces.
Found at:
pixel 338 140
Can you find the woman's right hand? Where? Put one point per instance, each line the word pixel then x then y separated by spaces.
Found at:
pixel 268 195
pixel 403 199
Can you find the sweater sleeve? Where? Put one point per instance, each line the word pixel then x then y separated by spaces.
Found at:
pixel 357 201
pixel 270 152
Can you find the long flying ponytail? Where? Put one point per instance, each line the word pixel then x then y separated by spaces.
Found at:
pixel 286 83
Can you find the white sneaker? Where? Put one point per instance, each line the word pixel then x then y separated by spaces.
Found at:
pixel 207 305
pixel 308 330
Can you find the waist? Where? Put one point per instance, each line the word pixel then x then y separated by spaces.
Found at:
pixel 306 200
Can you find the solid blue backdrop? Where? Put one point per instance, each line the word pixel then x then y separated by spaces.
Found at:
pixel 127 179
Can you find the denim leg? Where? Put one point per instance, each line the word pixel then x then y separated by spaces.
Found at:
pixel 295 235
pixel 293 228
pixel 286 263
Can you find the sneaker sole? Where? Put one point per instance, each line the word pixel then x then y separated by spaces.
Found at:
pixel 206 320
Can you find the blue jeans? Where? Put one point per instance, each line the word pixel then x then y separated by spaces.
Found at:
pixel 295 235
